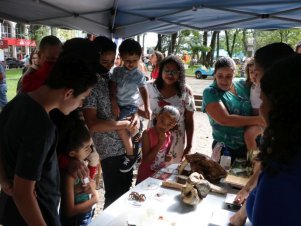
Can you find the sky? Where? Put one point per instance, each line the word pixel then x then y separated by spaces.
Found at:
pixel 151 39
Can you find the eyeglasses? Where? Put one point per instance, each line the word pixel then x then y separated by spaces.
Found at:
pixel 172 73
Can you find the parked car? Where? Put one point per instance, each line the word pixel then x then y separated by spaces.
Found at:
pixel 203 72
pixel 13 63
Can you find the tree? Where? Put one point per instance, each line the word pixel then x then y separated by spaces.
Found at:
pixel 205 41
pixel 210 53
pixel 289 36
pixel 163 43
pixel 37 32
pixel 64 34
pixel 230 42
pixel 171 48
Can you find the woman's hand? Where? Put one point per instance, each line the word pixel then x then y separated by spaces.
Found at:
pixel 168 157
pixel 134 122
pixel 242 195
pixel 115 109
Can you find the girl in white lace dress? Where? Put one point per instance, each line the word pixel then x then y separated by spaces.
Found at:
pixel 170 89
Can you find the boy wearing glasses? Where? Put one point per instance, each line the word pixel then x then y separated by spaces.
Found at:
pixel 127 85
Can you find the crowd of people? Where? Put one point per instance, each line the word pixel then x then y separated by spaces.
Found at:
pixel 79 106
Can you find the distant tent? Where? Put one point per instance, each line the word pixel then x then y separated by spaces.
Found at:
pixel 126 18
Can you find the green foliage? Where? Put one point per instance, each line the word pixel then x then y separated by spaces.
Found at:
pixel 191 41
pixel 64 34
pixel 191 69
pixel 37 32
pixel 240 40
pixel 12 78
pixel 289 36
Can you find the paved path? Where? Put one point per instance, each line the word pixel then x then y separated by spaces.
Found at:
pixel 198 85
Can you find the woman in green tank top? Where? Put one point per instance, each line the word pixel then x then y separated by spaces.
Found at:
pixel 226 102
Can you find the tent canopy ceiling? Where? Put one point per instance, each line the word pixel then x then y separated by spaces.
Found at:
pixel 124 18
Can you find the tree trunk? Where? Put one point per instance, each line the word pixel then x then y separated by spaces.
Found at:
pixel 217 45
pixel 159 43
pixel 230 48
pixel 244 41
pixel 209 56
pixel 227 41
pixel 233 42
pixel 172 43
pixel 205 41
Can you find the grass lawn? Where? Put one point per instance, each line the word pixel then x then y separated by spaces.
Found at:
pixel 13 75
pixel 12 78
pixel 190 70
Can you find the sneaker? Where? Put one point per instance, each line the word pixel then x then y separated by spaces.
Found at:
pixel 128 164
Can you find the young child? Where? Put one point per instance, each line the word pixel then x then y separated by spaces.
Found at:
pixel 76 205
pixel 156 142
pixel 252 132
pixel 59 120
pixel 155 60
pixel 127 82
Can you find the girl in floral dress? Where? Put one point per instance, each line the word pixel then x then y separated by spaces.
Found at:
pixel 170 89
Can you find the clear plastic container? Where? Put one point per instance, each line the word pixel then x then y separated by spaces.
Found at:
pixel 226 159
pixel 216 151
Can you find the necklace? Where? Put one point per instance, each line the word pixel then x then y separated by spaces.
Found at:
pixel 232 89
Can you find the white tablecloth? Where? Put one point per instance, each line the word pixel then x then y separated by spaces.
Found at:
pixel 163 207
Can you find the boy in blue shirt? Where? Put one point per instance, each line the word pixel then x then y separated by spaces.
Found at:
pixel 127 85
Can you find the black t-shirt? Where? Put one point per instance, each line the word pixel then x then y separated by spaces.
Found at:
pixel 28 143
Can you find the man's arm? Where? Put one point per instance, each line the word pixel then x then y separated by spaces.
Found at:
pixel 26 202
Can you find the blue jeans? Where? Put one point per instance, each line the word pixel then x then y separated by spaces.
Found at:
pixel 3 98
pixel 85 218
pixel 82 219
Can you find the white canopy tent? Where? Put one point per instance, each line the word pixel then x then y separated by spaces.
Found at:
pixel 124 18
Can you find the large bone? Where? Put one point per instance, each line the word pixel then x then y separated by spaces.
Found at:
pixel 178 186
pixel 171 184
pixel 190 195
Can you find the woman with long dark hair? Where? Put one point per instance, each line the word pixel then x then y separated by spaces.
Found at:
pixel 276 199
pixel 170 88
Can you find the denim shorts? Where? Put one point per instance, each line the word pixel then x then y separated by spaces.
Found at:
pixel 127 111
pixel 82 219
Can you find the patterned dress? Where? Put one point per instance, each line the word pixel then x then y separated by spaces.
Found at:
pixel 107 144
pixel 186 102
